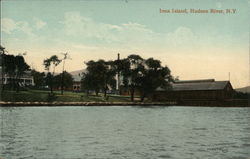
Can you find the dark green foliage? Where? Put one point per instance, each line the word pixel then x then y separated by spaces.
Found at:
pixel 154 76
pixel 99 76
pixel 53 60
pixel 132 72
pixel 137 74
pixel 14 67
pixel 39 79
pixel 144 75
pixel 68 80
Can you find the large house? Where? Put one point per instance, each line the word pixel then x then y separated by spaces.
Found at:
pixel 196 90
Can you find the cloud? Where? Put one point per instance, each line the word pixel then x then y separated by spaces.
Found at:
pixel 24 27
pixel 127 34
pixel 39 24
pixel 9 25
pixel 77 25
pixel 182 36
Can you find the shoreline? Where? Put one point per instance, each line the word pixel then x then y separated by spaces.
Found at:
pixel 56 104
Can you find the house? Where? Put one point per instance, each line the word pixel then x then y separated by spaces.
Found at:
pixel 25 80
pixel 77 84
pixel 196 90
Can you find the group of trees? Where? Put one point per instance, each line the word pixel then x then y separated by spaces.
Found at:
pixel 62 80
pixel 42 79
pixel 14 66
pixel 99 76
pixel 137 74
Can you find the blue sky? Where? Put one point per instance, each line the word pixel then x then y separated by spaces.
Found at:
pixel 194 46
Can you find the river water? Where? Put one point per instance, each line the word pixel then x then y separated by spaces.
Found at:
pixel 124 132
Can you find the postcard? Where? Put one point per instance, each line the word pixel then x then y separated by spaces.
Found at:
pixel 124 79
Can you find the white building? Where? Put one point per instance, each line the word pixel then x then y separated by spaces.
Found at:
pixel 25 80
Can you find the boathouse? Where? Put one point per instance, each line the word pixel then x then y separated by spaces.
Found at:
pixel 196 90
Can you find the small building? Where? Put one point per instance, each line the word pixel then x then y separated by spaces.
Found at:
pixel 203 90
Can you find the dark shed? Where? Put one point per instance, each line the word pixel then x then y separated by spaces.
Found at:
pixel 196 90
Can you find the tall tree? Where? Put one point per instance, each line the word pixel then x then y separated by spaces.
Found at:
pixel 9 68
pixel 21 67
pixel 132 71
pixel 67 80
pixel 14 67
pixel 39 78
pixel 88 82
pixel 154 76
pixel 62 76
pixel 109 76
pixel 100 74
pixel 52 61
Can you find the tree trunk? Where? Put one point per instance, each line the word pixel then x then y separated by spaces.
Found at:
pixel 105 91
pixel 51 89
pixel 132 91
pixel 17 84
pixel 51 86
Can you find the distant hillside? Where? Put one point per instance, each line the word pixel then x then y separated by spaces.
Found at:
pixel 77 74
pixel 244 89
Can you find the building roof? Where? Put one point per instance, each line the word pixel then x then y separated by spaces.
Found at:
pixel 197 85
pixel 194 81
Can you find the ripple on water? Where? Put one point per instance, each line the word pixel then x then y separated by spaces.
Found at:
pixel 165 156
pixel 158 149
pixel 204 129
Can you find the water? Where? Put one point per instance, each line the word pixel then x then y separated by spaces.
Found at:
pixel 124 132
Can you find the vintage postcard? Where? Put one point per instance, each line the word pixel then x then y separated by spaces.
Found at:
pixel 121 79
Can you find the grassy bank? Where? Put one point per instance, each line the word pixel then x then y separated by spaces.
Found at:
pixel 43 96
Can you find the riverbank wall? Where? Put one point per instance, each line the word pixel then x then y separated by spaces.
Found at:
pixel 200 103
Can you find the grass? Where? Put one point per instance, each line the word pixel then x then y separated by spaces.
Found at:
pixel 43 96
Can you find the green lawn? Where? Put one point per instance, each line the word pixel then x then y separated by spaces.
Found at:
pixel 43 96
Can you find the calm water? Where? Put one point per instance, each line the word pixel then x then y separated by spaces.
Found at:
pixel 124 132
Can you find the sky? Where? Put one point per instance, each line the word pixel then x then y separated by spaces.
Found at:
pixel 192 45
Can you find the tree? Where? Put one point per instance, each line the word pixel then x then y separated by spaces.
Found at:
pixel 14 67
pixel 9 68
pixel 21 67
pixel 39 78
pixel 109 76
pixel 54 61
pixel 67 80
pixel 62 76
pixel 88 82
pixel 154 76
pixel 132 71
pixel 100 74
